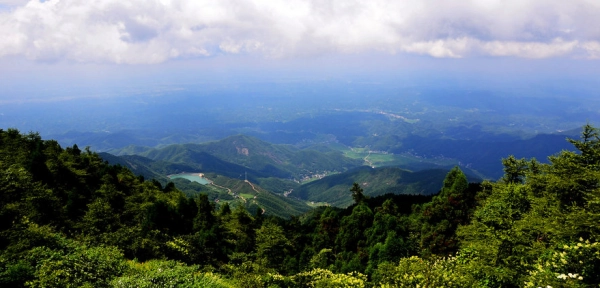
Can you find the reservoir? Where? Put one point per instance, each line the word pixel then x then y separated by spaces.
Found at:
pixel 195 177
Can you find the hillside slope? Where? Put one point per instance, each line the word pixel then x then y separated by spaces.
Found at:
pixel 335 189
pixel 268 160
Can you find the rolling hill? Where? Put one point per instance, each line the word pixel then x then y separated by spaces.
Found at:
pixel 224 188
pixel 277 169
pixel 264 159
pixel 335 189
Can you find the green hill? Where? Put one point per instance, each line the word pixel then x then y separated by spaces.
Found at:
pixel 182 160
pixel 229 186
pixel 137 164
pixel 266 159
pixel 253 197
pixel 335 189
pixel 272 166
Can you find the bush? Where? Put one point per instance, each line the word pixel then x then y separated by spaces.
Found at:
pixel 418 272
pixel 322 278
pixel 83 266
pixel 573 265
pixel 165 273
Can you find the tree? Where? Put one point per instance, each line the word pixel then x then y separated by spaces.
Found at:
pixel 452 207
pixel 525 231
pixel 272 245
pixel 240 230
pixel 326 229
pixel 351 242
pixel 589 147
pixel 514 169
pixel 205 217
pixel 357 193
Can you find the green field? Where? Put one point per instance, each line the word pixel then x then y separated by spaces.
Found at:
pixel 246 196
pixel 380 159
pixel 316 204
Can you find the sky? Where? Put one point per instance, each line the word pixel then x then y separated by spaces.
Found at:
pixel 113 43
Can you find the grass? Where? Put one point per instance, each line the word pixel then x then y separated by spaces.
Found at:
pixel 374 159
pixel 381 158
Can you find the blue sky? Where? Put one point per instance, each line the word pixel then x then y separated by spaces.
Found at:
pixel 61 43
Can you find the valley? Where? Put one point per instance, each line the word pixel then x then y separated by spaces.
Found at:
pixel 245 170
pixel 297 154
pixel 309 139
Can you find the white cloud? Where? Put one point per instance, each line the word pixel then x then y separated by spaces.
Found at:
pixel 554 48
pixel 12 3
pixel 141 31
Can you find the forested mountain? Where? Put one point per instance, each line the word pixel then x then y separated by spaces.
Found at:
pixel 262 158
pixel 330 189
pixel 139 165
pixel 67 218
pixel 187 161
pixel 374 181
pixel 472 148
pixel 226 184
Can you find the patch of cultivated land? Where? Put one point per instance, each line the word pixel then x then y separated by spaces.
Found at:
pixel 380 158
pixel 316 204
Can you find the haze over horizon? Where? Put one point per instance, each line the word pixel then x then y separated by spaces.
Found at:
pixel 62 51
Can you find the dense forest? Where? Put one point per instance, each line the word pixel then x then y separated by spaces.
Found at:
pixel 69 219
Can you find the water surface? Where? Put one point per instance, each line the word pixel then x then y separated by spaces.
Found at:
pixel 195 177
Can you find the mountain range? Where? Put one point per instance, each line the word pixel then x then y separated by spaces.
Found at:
pixel 280 178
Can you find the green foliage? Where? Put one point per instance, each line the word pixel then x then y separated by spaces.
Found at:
pixel 322 260
pixel 572 265
pixel 162 273
pixel 76 267
pixel 374 182
pixel 515 231
pixel 246 272
pixel 272 245
pixel 441 217
pixel 589 147
pixel 15 274
pixel 351 235
pixel 326 229
pixel 240 230
pixel 68 219
pixel 357 193
pixel 322 278
pixel 418 272
pixel 514 169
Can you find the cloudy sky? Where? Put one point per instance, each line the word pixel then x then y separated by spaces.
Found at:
pixel 69 38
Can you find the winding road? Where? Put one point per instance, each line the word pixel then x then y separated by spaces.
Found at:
pixel 229 191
